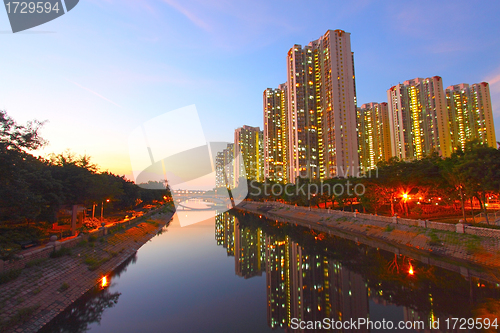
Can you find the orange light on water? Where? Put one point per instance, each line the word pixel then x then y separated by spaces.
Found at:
pixel 104 282
pixel 411 272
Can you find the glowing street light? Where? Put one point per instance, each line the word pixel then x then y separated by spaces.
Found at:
pixel 102 208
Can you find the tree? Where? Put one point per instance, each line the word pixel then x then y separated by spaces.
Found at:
pixel 19 137
pixel 23 180
pixel 479 166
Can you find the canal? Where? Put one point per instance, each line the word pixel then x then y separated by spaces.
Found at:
pixel 240 273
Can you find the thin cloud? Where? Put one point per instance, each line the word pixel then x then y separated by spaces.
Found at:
pixel 494 82
pixel 93 92
pixel 191 16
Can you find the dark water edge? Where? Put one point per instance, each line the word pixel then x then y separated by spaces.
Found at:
pixel 90 306
pixel 256 275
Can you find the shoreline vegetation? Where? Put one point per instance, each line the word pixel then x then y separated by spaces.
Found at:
pixel 47 286
pixel 43 196
pixel 476 252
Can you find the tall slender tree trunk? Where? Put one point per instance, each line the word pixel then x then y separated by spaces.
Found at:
pixel 472 209
pixel 485 208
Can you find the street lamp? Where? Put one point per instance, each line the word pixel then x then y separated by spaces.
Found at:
pixel 102 208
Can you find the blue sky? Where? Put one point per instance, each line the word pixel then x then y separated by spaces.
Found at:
pixel 107 66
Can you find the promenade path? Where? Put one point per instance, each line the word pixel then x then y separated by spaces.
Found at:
pixel 50 285
pixel 484 251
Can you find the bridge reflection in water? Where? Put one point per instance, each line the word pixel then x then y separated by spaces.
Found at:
pixel 201 203
pixel 312 276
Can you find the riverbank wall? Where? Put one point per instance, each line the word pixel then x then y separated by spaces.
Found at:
pixel 47 286
pixel 471 252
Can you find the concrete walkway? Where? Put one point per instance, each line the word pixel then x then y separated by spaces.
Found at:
pixel 50 285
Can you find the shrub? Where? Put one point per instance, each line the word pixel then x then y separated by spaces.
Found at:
pixel 35 262
pixel 20 317
pixel 63 287
pixel 93 263
pixel 9 275
pixel 90 224
pixel 60 253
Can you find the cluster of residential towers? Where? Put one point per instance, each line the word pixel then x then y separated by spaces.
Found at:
pixel 314 129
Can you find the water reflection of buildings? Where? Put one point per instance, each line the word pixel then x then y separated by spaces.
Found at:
pixel 249 256
pixel 245 244
pixel 299 284
pixel 310 287
pixel 311 283
pixel 224 232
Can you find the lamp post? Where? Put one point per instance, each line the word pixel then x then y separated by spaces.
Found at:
pixel 102 208
pixel 405 203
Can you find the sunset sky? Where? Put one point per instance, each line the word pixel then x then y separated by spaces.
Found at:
pixel 108 66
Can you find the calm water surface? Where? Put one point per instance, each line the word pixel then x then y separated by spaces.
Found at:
pixel 240 273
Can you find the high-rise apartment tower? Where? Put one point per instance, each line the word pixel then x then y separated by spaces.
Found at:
pixel 470 114
pixel 322 108
pixel 276 134
pixel 419 119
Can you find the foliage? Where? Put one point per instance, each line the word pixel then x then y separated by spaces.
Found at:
pixel 64 286
pixel 9 275
pixel 60 253
pixel 34 189
pixel 94 263
pixel 91 224
pixel 12 237
pixel 20 317
pixel 35 262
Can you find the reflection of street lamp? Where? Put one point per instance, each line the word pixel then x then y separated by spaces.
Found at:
pixel 102 208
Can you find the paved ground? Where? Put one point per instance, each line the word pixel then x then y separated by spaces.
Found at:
pixel 50 285
pixel 484 251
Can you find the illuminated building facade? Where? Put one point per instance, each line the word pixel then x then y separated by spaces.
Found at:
pixel 470 114
pixel 374 134
pixel 322 108
pixel 419 119
pixel 219 170
pixel 249 154
pixel 224 167
pixel 276 134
